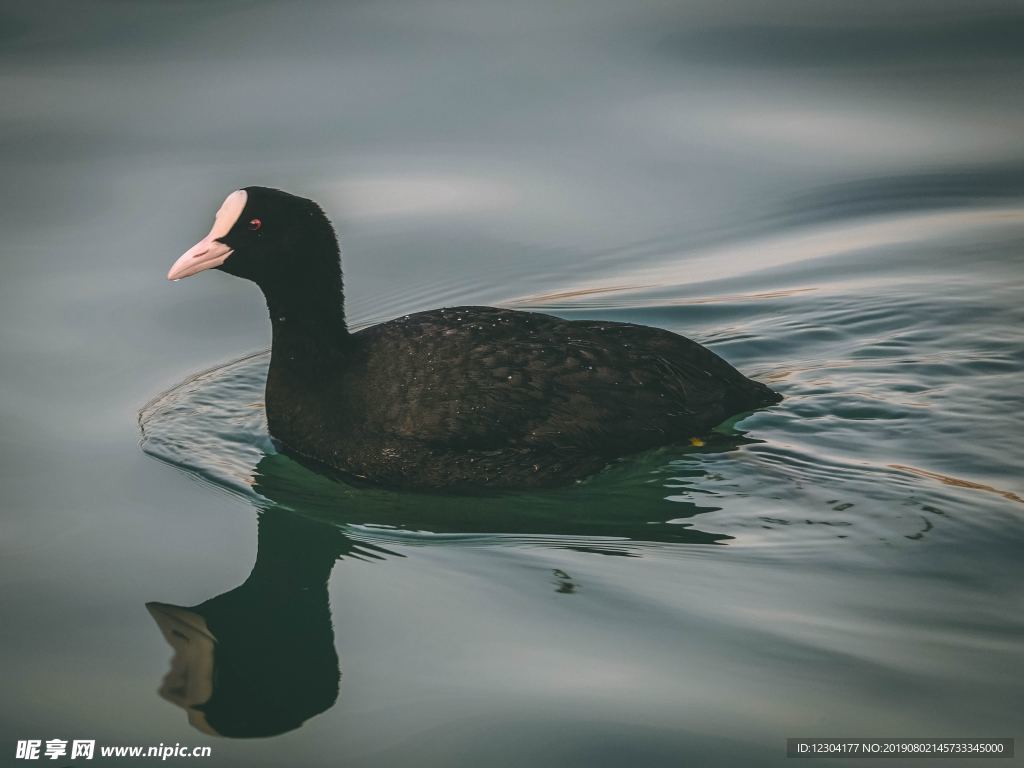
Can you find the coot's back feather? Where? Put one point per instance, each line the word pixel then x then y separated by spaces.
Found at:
pixel 477 396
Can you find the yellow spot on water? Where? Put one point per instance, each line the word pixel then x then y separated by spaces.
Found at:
pixel 696 441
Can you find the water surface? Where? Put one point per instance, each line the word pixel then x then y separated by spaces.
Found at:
pixel 832 199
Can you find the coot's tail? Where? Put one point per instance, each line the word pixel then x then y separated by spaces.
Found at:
pixel 755 395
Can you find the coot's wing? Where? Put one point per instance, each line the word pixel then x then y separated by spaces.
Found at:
pixel 466 377
pixel 482 378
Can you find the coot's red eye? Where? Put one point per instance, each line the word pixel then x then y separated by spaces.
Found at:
pixel 255 225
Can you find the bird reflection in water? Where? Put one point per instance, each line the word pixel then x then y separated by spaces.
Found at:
pixel 259 660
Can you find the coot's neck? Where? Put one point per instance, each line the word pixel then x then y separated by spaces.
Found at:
pixel 306 302
pixel 294 559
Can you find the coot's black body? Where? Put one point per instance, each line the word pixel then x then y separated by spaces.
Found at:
pixel 463 397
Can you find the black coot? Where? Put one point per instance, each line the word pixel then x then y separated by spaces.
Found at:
pixel 457 398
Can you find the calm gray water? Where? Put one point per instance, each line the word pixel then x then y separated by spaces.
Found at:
pixel 830 195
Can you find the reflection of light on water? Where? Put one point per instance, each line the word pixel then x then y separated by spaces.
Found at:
pixel 838 134
pixel 958 482
pixel 550 298
pixel 427 195
pixel 778 250
pixel 573 295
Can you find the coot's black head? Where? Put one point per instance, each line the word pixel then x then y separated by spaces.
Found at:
pixel 264 235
